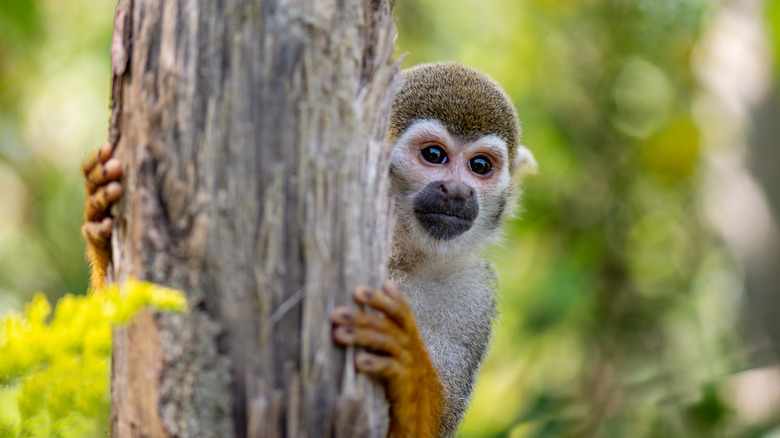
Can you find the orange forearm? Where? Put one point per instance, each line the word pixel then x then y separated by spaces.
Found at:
pixel 417 402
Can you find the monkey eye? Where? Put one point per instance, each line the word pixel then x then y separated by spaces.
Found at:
pixel 480 165
pixel 434 154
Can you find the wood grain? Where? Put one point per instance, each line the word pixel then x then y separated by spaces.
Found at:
pixel 252 137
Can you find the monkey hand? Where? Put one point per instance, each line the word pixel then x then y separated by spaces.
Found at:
pixel 395 354
pixel 101 177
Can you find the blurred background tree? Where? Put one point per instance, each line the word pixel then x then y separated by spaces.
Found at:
pixel 640 287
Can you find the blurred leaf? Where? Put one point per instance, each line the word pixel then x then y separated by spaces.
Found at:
pixel 708 415
pixel 18 19
pixel 672 153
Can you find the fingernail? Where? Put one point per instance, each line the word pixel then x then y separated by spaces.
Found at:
pixel 346 315
pixel 345 335
pixel 364 293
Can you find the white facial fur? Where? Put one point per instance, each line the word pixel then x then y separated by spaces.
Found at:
pixel 411 172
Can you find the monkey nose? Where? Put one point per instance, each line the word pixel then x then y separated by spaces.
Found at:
pixel 457 190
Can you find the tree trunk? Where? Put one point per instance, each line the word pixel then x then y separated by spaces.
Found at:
pixel 251 134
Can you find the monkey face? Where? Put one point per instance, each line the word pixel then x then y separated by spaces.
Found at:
pixel 450 192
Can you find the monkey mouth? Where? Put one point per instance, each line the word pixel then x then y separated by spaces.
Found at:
pixel 446 209
pixel 438 215
pixel 444 225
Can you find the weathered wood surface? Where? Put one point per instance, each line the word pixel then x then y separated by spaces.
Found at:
pixel 251 132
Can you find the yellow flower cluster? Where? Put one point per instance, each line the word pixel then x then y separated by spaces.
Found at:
pixel 57 367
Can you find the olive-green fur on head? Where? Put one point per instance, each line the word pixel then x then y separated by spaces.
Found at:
pixel 468 102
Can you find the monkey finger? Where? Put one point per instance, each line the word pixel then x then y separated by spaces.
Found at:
pixel 396 310
pixel 377 365
pixel 98 234
pixel 103 173
pixel 379 323
pixel 392 290
pixel 100 155
pixel 372 339
pixel 99 202
pixel 344 335
pixel 343 315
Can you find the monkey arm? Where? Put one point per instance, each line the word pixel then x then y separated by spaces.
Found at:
pixel 101 175
pixel 396 355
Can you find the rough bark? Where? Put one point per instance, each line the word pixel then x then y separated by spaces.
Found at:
pixel 255 180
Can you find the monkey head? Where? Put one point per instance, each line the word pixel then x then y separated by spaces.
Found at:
pixel 454 135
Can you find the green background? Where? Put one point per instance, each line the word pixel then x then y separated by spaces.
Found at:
pixel 622 305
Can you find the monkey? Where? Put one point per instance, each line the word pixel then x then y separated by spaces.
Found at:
pixel 455 161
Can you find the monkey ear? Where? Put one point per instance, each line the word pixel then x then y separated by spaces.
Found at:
pixel 524 163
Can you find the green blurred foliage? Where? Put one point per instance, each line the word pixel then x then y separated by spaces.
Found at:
pixel 620 307
pixel 54 376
